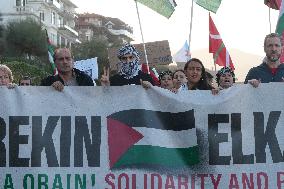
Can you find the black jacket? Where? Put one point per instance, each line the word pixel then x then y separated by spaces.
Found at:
pixel 118 80
pixel 81 78
pixel 263 73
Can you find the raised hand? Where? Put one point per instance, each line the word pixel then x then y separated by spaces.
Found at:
pixel 105 77
pixel 145 84
pixel 57 85
pixel 254 82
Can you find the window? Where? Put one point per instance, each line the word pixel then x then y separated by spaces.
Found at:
pixel 60 22
pixel 21 2
pixel 53 18
pixel 41 16
pixel 53 38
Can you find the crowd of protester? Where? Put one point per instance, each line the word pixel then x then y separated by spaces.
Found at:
pixel 130 72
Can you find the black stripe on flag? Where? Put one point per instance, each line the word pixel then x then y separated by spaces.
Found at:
pixel 156 119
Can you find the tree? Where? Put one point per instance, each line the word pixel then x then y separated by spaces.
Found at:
pixel 26 38
pixel 97 47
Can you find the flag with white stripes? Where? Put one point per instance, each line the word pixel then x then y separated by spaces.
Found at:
pixel 146 137
pixel 216 46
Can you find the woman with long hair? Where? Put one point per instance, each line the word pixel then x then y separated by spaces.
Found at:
pixel 196 76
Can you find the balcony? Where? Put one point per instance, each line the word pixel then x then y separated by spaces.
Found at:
pixel 68 14
pixel 24 9
pixel 121 32
pixel 54 3
pixel 64 27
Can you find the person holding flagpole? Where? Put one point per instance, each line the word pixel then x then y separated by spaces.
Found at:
pixel 271 69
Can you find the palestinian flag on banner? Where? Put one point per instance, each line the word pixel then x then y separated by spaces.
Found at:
pixel 280 27
pixel 50 51
pixel 211 5
pixel 145 137
pixel 274 4
pixel 163 7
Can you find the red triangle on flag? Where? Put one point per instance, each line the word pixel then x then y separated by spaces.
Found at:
pixel 120 138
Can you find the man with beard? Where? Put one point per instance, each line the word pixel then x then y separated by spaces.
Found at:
pixel 129 69
pixel 271 70
pixel 67 74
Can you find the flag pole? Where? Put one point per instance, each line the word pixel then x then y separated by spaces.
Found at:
pixel 269 19
pixel 213 55
pixel 144 47
pixel 190 30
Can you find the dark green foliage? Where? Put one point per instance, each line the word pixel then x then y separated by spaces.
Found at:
pixel 91 49
pixel 20 69
pixel 25 38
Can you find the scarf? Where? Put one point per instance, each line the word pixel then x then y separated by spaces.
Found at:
pixel 129 69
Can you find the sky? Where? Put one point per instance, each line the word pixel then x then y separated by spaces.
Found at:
pixel 242 24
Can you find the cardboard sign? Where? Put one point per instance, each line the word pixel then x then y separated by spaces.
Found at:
pixel 158 53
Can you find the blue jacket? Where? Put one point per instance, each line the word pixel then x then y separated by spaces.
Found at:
pixel 263 73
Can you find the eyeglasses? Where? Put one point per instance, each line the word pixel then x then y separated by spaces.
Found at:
pixel 125 58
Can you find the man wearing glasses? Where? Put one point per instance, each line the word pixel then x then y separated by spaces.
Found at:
pixel 67 74
pixel 129 69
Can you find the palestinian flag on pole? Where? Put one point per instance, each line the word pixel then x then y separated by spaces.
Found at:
pixel 145 137
pixel 280 27
pixel 211 5
pixel 163 7
pixel 216 46
pixel 50 51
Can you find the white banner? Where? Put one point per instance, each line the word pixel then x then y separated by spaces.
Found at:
pixel 89 66
pixel 93 137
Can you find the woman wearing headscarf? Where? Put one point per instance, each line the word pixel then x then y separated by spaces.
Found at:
pixel 129 69
pixel 166 80
pixel 225 79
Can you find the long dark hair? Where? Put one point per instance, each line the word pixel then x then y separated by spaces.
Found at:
pixel 203 82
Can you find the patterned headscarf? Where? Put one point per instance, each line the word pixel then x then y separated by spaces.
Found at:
pixel 222 71
pixel 162 74
pixel 130 69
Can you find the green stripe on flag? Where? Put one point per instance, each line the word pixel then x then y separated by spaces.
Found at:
pixel 163 7
pixel 211 5
pixel 154 155
pixel 216 54
pixel 280 25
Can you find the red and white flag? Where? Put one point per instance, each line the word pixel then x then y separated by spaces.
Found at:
pixel 216 46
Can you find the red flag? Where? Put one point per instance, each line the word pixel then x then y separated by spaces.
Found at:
pixel 274 4
pixel 144 69
pixel 216 46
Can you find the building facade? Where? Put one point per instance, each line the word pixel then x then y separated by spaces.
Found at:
pixel 56 16
pixel 90 25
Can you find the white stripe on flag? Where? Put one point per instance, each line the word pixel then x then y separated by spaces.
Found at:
pixel 215 36
pixel 167 138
